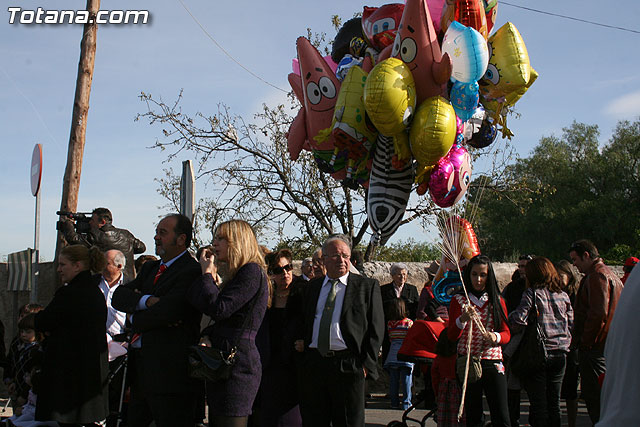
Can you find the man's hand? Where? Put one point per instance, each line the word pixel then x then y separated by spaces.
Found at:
pixel 298 345
pixel 151 301
pixel 365 372
pixel 205 341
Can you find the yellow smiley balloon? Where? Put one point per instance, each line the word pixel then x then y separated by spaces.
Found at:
pixel 509 73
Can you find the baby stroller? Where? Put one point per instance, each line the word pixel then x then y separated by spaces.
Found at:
pixel 419 347
pixel 118 372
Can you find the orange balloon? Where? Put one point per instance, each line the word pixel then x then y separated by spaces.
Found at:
pixel 471 14
pixel 467 241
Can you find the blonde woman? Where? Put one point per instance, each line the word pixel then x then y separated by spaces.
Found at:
pixel 237 306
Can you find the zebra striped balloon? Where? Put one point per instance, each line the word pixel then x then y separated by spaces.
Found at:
pixel 389 191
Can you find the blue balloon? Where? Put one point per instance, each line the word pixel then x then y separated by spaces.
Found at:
pixel 468 51
pixel 447 287
pixel 464 98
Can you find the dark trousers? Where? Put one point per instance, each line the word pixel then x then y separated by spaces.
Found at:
pixel 543 388
pixel 166 409
pixel 330 396
pixel 494 385
pixel 592 365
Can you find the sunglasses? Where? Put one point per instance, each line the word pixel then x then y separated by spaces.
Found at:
pixel 280 270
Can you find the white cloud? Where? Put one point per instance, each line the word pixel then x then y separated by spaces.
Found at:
pixel 626 106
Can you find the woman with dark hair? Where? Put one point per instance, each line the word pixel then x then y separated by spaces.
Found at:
pixel 75 365
pixel 485 306
pixel 278 401
pixel 555 315
pixel 237 306
pixel 569 392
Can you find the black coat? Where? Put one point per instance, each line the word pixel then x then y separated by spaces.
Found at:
pixel 167 328
pixel 361 321
pixel 106 238
pixel 73 386
pixel 409 294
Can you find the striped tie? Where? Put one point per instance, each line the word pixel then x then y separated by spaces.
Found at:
pixel 324 332
pixel 161 270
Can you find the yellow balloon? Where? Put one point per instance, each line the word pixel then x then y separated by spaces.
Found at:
pixel 349 122
pixel 390 101
pixel 433 132
pixel 509 73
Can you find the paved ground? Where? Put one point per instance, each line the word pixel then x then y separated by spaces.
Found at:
pixel 378 413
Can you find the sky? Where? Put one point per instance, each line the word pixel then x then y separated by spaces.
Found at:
pixel 588 73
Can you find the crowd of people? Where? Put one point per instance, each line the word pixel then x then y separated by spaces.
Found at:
pixel 302 347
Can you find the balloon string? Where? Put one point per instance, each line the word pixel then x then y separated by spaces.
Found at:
pixel 466 373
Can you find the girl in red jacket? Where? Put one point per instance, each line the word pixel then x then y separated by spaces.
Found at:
pixel 487 307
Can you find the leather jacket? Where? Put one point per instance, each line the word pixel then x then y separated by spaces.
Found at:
pixel 106 238
pixel 596 303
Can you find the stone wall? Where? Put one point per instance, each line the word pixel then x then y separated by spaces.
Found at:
pixel 418 274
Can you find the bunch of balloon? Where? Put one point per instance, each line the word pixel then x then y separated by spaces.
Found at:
pixel 425 80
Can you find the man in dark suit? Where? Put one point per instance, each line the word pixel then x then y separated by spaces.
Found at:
pixel 165 326
pixel 398 288
pixel 342 329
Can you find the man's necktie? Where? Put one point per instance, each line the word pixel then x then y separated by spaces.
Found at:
pixel 161 270
pixel 324 332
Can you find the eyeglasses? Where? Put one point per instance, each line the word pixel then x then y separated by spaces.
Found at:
pixel 280 270
pixel 336 257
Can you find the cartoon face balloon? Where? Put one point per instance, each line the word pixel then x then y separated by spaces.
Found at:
pixel 416 44
pixel 491 12
pixel 468 52
pixel 450 177
pixel 509 73
pixel 380 24
pixel 317 88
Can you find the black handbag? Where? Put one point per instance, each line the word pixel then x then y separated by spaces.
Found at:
pixel 531 354
pixel 209 363
pixel 213 364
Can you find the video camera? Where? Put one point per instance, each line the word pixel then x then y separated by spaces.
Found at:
pixel 81 220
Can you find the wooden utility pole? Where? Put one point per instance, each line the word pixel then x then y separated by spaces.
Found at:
pixel 71 183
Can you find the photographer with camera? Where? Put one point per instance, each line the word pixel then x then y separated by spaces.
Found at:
pixel 97 230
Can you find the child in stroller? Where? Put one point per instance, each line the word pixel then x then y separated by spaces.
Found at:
pixel 419 347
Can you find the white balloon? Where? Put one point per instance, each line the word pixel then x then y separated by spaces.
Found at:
pixel 468 52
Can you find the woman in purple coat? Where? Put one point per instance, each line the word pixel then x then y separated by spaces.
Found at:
pixel 236 306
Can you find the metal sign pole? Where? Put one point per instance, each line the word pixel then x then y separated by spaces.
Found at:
pixel 36 178
pixel 187 190
pixel 35 269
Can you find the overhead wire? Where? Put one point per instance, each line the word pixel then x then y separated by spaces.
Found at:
pixel 572 18
pixel 227 53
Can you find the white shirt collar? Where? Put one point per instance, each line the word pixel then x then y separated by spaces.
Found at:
pixel 341 279
pixel 172 260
